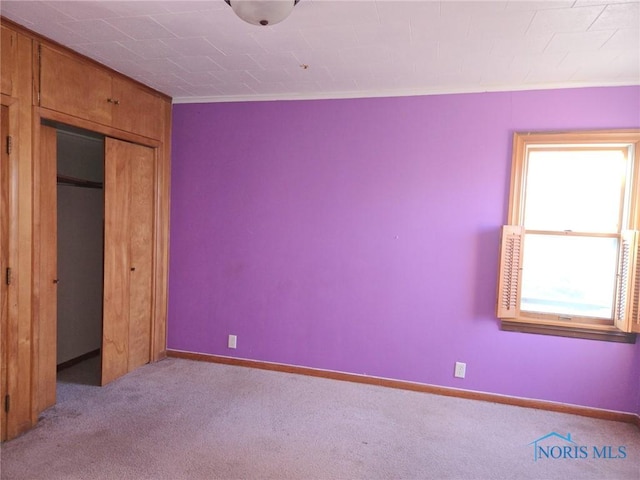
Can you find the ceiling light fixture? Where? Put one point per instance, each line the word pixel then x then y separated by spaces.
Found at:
pixel 262 12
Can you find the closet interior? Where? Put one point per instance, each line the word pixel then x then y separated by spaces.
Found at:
pixel 80 252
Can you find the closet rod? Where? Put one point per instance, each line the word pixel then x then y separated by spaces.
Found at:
pixel 78 182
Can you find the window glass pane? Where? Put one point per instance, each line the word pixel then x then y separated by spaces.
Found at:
pixel 577 190
pixel 569 275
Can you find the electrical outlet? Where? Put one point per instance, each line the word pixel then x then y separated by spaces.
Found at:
pixel 460 370
pixel 233 341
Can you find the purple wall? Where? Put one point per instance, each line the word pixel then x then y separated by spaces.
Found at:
pixel 362 236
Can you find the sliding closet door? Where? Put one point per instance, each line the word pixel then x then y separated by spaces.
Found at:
pixel 129 188
pixel 141 255
pixel 48 273
pixel 115 319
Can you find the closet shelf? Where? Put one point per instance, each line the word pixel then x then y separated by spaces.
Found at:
pixel 78 182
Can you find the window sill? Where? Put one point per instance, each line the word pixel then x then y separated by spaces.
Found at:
pixel 572 332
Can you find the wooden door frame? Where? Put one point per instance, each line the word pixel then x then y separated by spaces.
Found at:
pixel 161 229
pixel 4 257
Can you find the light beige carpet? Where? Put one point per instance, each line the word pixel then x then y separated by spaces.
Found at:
pixel 180 419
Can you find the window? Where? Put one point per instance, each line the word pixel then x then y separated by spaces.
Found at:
pixel 569 262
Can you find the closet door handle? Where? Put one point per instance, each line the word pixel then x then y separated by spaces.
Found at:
pixel 55 280
pixel 133 269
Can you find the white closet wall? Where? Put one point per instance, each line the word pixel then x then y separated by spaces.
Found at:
pixel 80 247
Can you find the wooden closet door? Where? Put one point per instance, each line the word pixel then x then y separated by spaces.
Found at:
pixel 47 307
pixel 4 257
pixel 141 227
pixel 75 86
pixel 129 192
pixel 137 110
pixel 115 316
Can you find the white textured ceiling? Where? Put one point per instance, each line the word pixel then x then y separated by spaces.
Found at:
pixel 200 51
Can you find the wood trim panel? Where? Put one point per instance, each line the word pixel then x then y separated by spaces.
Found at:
pixel 634 208
pixel 59 117
pixel 515 190
pixel 4 259
pixel 414 387
pixel 161 278
pixel 20 351
pixel 608 335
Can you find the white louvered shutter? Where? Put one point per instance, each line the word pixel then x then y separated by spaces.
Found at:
pixel 635 293
pixel 510 271
pixel 627 294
